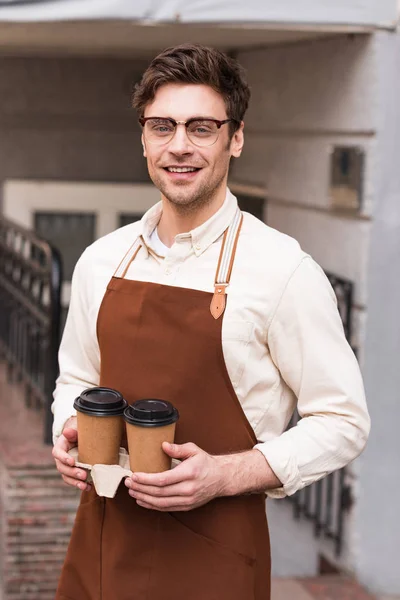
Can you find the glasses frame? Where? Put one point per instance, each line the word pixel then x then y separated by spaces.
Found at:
pixel 143 121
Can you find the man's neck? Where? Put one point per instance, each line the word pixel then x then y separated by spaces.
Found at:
pixel 174 221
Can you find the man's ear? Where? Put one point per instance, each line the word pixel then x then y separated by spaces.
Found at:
pixel 144 146
pixel 237 141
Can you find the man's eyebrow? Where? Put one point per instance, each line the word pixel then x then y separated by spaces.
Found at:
pixel 202 117
pixel 195 118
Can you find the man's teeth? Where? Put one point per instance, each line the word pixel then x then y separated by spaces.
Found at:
pixel 181 169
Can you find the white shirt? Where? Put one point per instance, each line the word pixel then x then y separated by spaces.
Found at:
pixel 282 338
pixel 157 245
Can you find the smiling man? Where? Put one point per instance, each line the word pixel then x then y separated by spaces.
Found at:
pixel 230 321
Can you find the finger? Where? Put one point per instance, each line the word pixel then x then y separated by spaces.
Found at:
pixel 70 431
pixel 172 509
pixel 60 452
pixel 85 487
pixel 185 488
pixel 71 472
pixel 163 503
pixel 70 434
pixel 181 451
pixel 181 473
pixel 64 458
pixel 149 507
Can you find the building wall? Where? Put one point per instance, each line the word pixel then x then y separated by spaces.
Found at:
pixel 306 98
pixel 72 123
pixel 378 525
pixel 69 119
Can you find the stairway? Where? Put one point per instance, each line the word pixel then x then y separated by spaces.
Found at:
pixel 36 508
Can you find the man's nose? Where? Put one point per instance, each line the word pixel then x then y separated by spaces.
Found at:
pixel 180 143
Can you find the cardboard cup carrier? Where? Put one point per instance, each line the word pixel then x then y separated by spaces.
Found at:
pixel 149 423
pixel 101 413
pixel 100 425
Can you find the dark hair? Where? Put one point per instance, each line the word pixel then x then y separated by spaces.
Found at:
pixel 197 64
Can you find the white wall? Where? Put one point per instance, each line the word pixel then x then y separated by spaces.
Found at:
pixel 306 98
pixel 378 524
pixel 69 119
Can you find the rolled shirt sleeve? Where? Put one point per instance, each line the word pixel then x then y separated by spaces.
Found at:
pixel 79 355
pixel 308 346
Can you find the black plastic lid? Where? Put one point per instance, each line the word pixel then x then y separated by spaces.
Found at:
pixel 151 413
pixel 100 402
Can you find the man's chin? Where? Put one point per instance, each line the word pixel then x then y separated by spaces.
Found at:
pixel 181 199
pixel 182 193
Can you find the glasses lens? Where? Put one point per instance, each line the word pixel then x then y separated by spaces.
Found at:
pixel 202 132
pixel 159 130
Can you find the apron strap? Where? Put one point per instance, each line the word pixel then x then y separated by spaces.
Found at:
pixel 128 258
pixel 225 265
pixel 224 269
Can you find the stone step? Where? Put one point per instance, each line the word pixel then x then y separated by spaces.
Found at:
pixel 37 509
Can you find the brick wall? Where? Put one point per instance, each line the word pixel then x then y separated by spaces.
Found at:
pixel 37 509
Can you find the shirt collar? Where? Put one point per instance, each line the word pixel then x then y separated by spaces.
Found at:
pixel 201 237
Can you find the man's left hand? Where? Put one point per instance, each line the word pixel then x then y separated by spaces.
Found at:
pixel 198 479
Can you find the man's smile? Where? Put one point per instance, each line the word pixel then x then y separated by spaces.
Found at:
pixel 182 173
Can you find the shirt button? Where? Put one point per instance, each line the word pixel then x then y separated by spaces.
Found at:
pixel 168 271
pixel 198 247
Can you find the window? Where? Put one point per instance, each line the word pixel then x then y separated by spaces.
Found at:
pixel 253 205
pixel 347 166
pixel 127 218
pixel 69 232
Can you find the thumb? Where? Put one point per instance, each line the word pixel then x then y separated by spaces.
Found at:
pixel 70 434
pixel 181 451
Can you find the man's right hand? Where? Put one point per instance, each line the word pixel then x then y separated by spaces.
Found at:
pixel 65 464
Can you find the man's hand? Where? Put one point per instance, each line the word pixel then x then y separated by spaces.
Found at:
pixel 200 478
pixel 64 462
pixel 189 485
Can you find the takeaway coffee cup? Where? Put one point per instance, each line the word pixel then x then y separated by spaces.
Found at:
pixel 100 425
pixel 149 423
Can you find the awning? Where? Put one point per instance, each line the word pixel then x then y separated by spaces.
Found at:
pixel 375 13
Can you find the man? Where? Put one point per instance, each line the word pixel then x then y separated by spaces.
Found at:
pixel 231 322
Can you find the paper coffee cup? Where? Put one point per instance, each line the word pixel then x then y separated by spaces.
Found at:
pixel 149 423
pixel 100 425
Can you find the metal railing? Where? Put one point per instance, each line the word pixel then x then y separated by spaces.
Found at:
pixel 30 311
pixel 344 290
pixel 325 502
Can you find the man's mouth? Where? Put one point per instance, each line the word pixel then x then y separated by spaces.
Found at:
pixel 182 169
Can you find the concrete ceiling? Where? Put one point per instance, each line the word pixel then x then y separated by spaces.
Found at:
pixel 141 40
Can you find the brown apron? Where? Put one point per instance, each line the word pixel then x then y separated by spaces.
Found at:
pixel 160 341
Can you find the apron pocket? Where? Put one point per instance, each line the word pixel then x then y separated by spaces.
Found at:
pixel 190 565
pixel 223 547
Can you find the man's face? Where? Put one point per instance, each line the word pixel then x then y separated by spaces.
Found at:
pixel 190 189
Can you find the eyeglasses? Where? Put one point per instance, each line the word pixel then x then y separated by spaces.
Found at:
pixel 201 132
